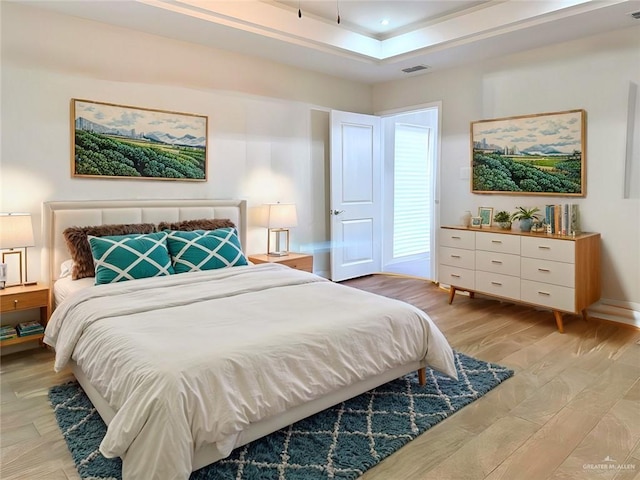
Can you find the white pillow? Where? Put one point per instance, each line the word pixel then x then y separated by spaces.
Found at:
pixel 66 268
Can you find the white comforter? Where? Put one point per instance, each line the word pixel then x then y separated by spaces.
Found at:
pixel 192 359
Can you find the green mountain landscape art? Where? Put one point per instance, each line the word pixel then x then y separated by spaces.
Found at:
pixel 116 141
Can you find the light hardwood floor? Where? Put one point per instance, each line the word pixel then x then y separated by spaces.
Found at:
pixel 572 410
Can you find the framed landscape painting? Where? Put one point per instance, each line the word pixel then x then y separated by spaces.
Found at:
pixel 118 141
pixel 541 154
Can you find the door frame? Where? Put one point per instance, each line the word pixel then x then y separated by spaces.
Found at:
pixel 437 189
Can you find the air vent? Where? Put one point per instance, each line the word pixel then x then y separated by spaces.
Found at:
pixel 416 68
pixel 636 15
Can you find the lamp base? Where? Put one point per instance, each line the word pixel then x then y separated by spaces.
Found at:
pixel 278 254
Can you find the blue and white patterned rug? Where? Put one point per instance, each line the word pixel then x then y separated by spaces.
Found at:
pixel 338 443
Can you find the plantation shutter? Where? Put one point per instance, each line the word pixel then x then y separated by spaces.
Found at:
pixel 412 191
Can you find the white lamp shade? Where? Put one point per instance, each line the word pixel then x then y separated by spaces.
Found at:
pixel 16 230
pixel 280 215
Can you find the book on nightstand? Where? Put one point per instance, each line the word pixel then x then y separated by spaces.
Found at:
pixel 7 332
pixel 29 328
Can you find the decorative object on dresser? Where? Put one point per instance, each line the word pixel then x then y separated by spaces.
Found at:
pixel 503 219
pixel 119 141
pixel 299 261
pixel 476 222
pixel 25 298
pixel 16 235
pixel 465 219
pixel 526 217
pixel 278 218
pixel 486 213
pixel 562 219
pixel 549 160
pixel 559 273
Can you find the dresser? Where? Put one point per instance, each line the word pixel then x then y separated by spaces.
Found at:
pixel 557 272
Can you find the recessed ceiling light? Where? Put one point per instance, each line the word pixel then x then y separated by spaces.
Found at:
pixel 384 21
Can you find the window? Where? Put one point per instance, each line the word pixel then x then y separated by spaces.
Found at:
pixel 412 190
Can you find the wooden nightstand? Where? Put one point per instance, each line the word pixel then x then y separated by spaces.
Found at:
pixel 299 261
pixel 15 299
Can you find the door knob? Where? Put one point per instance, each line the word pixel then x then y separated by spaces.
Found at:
pixel 336 212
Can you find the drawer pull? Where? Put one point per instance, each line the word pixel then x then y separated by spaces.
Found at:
pixel 496 261
pixel 496 241
pixel 544 247
pixel 455 275
pixel 496 283
pixel 455 237
pixel 544 270
pixel 455 256
pixel 546 294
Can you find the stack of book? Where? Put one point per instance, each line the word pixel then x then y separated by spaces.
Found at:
pixel 7 332
pixel 29 328
pixel 562 219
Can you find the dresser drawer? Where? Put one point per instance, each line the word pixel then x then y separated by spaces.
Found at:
pixel 558 273
pixel 545 294
pixel 457 238
pixel 457 257
pixel 495 242
pixel 23 301
pixel 549 249
pixel 496 284
pixel 498 263
pixel 458 277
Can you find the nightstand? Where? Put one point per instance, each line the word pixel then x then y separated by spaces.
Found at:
pixel 299 261
pixel 15 299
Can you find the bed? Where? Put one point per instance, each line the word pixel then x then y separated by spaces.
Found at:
pixel 184 368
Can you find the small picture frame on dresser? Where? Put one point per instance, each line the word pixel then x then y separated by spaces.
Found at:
pixel 486 214
pixel 476 222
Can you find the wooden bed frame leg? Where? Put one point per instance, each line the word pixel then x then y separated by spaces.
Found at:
pixel 422 376
pixel 558 316
pixel 584 315
pixel 452 293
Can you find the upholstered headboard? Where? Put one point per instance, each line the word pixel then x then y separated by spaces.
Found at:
pixel 57 216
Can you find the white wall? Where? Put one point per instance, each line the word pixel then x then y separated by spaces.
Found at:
pixel 592 74
pixel 263 117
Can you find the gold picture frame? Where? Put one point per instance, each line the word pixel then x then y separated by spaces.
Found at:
pixel 541 154
pixel 121 141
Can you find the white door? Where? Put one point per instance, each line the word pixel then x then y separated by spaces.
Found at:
pixel 356 195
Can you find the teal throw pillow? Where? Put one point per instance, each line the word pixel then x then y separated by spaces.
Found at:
pixel 205 249
pixel 128 257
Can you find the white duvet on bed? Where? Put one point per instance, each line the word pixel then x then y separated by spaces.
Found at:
pixel 191 359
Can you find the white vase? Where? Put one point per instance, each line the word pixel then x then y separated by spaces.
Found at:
pixel 465 219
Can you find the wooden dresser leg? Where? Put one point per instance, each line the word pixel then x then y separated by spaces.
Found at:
pixel 452 293
pixel 422 376
pixel 558 316
pixel 584 315
pixel 472 294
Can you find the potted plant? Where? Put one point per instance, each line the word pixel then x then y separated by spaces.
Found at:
pixel 503 219
pixel 526 216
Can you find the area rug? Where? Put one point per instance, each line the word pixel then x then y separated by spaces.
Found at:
pixel 338 443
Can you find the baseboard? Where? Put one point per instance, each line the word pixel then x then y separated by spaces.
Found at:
pixel 617 311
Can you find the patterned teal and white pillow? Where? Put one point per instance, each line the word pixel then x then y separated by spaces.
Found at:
pixel 128 257
pixel 205 249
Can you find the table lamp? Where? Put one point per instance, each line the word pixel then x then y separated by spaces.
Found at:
pixel 279 218
pixel 16 234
